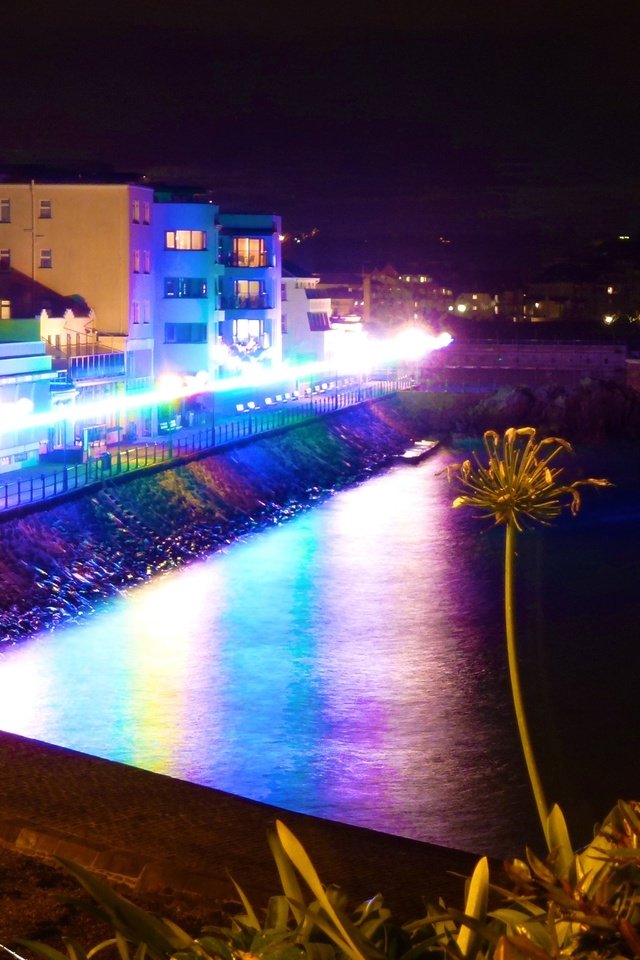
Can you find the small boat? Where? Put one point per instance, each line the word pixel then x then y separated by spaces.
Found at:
pixel 418 451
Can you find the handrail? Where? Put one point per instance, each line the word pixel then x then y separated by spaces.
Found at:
pixel 20 493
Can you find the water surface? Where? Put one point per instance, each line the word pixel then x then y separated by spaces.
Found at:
pixel 350 664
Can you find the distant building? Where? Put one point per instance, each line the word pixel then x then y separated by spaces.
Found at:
pixel 393 298
pixel 313 329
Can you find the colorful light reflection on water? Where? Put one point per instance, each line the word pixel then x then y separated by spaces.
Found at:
pixel 347 664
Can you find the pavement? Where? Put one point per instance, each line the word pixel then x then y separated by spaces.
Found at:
pixel 155 833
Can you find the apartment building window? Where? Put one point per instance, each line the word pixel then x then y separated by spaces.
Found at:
pixel 5 309
pixel 146 311
pixel 283 324
pixel 185 333
pixel 135 312
pixel 246 330
pixel 185 239
pixel 136 211
pixel 136 261
pixel 5 211
pixel 46 259
pixel 319 322
pixel 146 212
pixel 249 293
pixel 283 292
pixel 5 259
pixel 193 288
pixel 249 252
pixel 146 261
pixel 45 211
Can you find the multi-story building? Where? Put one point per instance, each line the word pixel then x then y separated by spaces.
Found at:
pixel 174 286
pixel 313 331
pixel 250 293
pixel 26 375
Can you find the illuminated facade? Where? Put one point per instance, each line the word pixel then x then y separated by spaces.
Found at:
pixel 312 328
pixel 26 375
pixel 175 287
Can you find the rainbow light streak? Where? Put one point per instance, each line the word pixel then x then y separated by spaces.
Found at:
pixel 408 345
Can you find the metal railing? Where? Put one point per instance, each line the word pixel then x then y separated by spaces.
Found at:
pixel 124 459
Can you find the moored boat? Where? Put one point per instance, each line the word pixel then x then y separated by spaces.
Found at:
pixel 418 451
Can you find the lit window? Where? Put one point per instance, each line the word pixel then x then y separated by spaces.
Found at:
pixel 136 211
pixel 249 252
pixel 186 239
pixel 5 211
pixel 46 259
pixel 245 330
pixel 45 210
pixel 185 287
pixel 136 261
pixel 147 261
pixel 146 212
pixel 5 310
pixel 5 259
pixel 249 293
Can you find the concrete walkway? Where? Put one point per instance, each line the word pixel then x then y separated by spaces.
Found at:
pixel 153 832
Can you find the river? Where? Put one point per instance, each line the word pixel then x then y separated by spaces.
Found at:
pixel 350 663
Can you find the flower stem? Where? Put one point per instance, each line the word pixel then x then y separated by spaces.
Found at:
pixel 514 676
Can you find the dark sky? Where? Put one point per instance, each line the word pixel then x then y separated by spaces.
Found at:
pixel 510 128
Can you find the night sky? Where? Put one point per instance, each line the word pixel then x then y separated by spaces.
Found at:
pixel 510 129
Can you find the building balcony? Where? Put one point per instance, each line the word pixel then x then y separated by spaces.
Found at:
pixel 240 260
pixel 259 301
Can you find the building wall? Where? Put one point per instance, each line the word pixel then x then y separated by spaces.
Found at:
pixel 173 311
pixel 91 236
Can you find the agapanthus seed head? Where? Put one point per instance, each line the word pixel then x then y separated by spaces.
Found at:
pixel 518 485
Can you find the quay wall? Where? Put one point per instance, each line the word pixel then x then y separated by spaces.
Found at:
pixel 60 560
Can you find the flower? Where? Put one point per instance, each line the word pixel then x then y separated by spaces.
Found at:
pixel 518 484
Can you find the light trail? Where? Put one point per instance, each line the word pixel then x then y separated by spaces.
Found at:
pixel 363 355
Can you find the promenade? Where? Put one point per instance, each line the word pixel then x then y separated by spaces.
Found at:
pixel 52 480
pixel 153 832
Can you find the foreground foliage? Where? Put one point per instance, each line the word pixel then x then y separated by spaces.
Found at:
pixel 583 904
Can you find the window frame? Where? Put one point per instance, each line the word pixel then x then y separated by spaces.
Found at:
pixel 45 210
pixel 172 243
pixel 45 259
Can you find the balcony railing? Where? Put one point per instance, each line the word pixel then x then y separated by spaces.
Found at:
pixel 240 260
pixel 258 301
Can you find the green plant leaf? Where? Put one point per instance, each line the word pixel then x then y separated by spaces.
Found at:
pixel 300 859
pixel 249 913
pixel 49 953
pixel 136 924
pixel 287 875
pixel 475 907
pixel 558 841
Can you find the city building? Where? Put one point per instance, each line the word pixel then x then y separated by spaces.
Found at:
pixel 313 331
pixel 178 291
pixel 26 376
pixel 393 298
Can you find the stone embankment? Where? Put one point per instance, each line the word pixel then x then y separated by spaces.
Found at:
pixel 56 564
